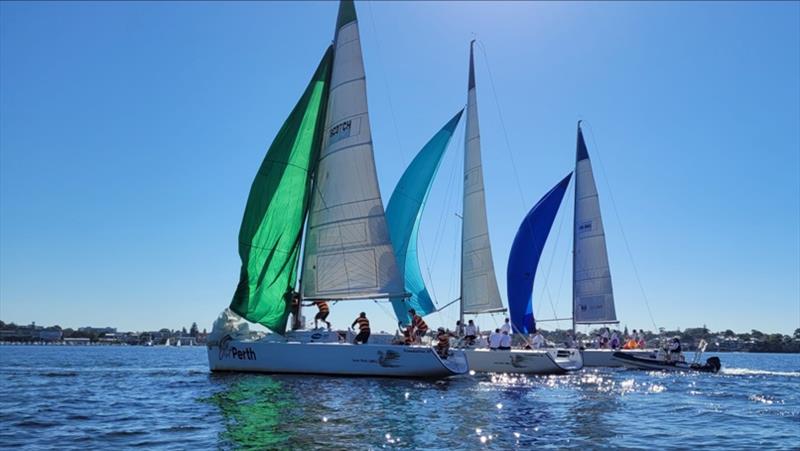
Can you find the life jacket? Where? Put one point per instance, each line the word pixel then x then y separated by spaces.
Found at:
pixel 419 324
pixel 363 323
pixel 322 306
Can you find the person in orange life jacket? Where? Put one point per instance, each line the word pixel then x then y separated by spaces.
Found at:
pixel 322 313
pixel 363 329
pixel 443 346
pixel 418 326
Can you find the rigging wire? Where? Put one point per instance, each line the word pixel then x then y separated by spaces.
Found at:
pixel 546 287
pixel 622 230
pixel 386 85
pixel 502 124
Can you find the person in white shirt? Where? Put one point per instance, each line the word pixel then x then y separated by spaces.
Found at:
pixel 538 340
pixel 505 341
pixel 506 327
pixel 459 329
pixel 494 340
pixel 471 333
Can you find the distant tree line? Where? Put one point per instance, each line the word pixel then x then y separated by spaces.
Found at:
pixel 14 332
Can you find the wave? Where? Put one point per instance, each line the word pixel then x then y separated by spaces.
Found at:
pixel 752 372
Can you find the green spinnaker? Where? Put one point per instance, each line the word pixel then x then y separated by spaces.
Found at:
pixel 272 227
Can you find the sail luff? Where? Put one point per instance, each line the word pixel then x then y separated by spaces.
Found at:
pixel 479 291
pixel 593 294
pixel 348 251
pixel 525 253
pixel 404 213
pixel 272 224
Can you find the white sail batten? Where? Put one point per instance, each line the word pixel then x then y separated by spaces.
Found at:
pixel 348 252
pixel 593 296
pixel 479 292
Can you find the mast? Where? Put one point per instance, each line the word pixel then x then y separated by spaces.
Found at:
pixel 470 107
pixel 575 228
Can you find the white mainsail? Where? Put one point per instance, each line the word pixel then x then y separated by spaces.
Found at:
pixel 593 296
pixel 348 252
pixel 479 292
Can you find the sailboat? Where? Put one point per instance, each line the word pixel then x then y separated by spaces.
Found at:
pixel 319 173
pixel 479 291
pixel 592 291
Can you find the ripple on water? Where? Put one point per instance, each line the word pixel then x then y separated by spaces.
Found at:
pixel 166 399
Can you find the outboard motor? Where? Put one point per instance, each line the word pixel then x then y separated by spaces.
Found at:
pixel 714 364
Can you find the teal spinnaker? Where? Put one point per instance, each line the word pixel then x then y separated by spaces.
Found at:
pixel 404 213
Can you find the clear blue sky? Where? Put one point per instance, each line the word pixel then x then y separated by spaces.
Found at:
pixel 130 134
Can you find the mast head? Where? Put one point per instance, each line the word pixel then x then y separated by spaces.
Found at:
pixel 347 13
pixel 581 153
pixel 471 84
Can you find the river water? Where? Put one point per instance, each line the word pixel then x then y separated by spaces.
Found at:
pixel 55 397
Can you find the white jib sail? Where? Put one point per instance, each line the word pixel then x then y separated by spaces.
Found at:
pixel 348 252
pixel 593 295
pixel 479 293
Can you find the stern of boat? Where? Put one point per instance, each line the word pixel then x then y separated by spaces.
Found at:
pixel 567 359
pixel 456 361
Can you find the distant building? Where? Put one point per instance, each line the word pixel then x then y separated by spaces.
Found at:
pixel 98 330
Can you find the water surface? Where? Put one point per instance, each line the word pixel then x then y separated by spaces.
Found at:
pixel 165 398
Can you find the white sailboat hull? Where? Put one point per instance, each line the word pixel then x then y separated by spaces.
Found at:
pixel 605 357
pixel 524 361
pixel 341 359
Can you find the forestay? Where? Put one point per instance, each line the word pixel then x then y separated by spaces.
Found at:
pixel 269 237
pixel 479 292
pixel 404 214
pixel 593 295
pixel 525 254
pixel 348 252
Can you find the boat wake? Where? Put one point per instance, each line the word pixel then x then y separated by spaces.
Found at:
pixel 751 372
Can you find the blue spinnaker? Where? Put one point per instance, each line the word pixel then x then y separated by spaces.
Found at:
pixel 403 215
pixel 525 253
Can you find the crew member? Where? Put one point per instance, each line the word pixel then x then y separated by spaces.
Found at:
pixel 674 350
pixel 363 329
pixel 471 333
pixel 459 329
pixel 538 340
pixel 494 340
pixel 322 313
pixel 505 341
pixel 506 327
pixel 418 325
pixel 443 345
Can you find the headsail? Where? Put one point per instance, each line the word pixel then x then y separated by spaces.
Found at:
pixel 525 253
pixel 593 296
pixel 269 237
pixel 348 252
pixel 479 293
pixel 404 213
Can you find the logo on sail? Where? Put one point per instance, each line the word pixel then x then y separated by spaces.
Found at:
pixel 340 131
pixel 585 227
